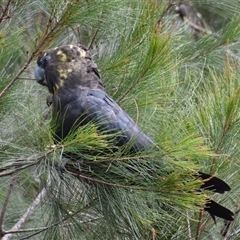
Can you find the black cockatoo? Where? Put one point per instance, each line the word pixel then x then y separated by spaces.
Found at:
pixel 79 97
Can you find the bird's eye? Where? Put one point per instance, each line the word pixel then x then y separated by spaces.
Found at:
pixel 45 60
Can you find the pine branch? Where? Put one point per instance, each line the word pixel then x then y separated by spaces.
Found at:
pixel 199 226
pixel 20 164
pixel 189 227
pixel 227 231
pixel 91 179
pixel 11 83
pixel 169 6
pixel 26 215
pixel 5 204
pixel 42 229
pixel 47 37
pixel 4 14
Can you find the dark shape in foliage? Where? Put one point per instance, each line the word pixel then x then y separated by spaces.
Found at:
pixel 188 14
pixel 79 97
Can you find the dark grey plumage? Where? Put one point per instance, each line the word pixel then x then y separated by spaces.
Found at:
pixel 79 97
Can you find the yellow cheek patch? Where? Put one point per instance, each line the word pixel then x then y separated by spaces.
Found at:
pixel 63 56
pixel 63 73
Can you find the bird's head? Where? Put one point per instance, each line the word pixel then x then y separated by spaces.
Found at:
pixel 61 66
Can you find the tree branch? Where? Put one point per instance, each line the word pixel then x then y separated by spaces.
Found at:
pixel 189 227
pixel 9 85
pixel 5 204
pixel 170 4
pixel 42 229
pixel 29 211
pixel 229 227
pixel 4 14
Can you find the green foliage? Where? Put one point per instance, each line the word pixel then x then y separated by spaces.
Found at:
pixel 182 91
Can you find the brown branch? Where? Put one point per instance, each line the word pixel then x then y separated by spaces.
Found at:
pixel 189 227
pixel 170 4
pixel 29 211
pixel 10 172
pixel 20 164
pixel 42 229
pixel 93 39
pixel 234 235
pixel 39 230
pixel 4 14
pixel 92 179
pixel 45 38
pixel 229 226
pixel 38 48
pixel 199 227
pixel 5 204
pixel 153 234
pixel 9 85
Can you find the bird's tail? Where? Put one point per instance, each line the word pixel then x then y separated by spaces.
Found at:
pixel 214 184
pixel 219 186
pixel 216 210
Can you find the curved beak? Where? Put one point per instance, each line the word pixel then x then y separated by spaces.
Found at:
pixel 40 76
